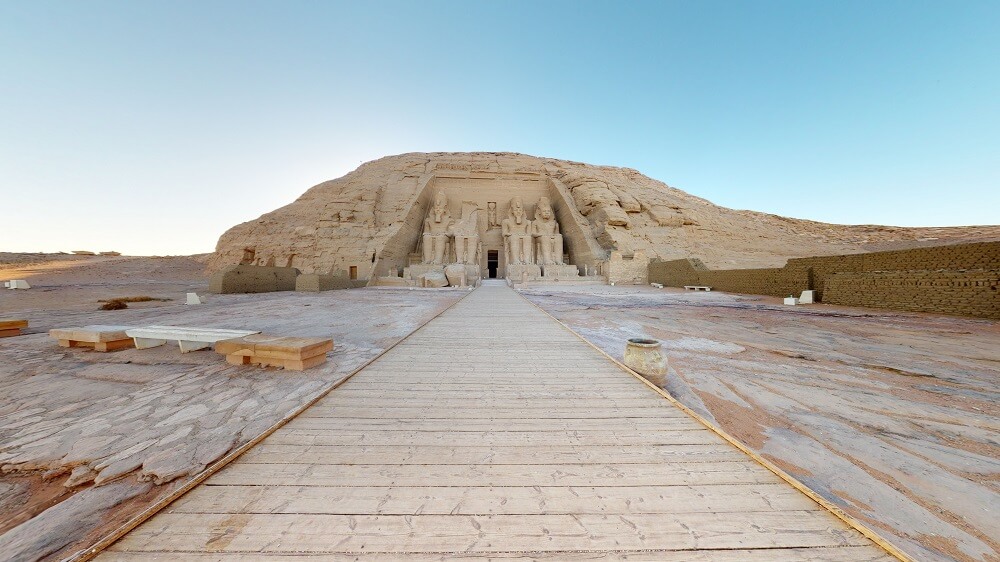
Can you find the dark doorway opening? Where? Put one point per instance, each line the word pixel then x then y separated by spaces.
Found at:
pixel 493 262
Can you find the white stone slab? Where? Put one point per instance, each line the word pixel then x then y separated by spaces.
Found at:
pixel 808 297
pixel 17 284
pixel 188 339
pixel 791 300
pixel 697 288
pixel 193 298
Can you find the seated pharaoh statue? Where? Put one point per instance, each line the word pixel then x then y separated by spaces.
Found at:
pixel 516 230
pixel 436 230
pixel 466 233
pixel 545 230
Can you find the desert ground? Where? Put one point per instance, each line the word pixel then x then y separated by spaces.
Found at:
pixel 89 440
pixel 891 416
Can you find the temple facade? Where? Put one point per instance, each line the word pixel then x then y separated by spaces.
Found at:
pixel 466 227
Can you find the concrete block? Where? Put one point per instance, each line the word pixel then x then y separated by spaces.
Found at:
pixel 193 298
pixel 791 300
pixel 807 297
pixel 17 284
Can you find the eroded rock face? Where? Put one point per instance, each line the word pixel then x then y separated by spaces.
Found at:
pixel 355 220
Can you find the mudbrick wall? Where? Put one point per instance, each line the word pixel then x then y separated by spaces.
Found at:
pixel 776 282
pixel 957 257
pixel 253 279
pixel 676 273
pixel 961 279
pixel 968 293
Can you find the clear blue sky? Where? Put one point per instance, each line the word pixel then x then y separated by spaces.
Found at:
pixel 151 127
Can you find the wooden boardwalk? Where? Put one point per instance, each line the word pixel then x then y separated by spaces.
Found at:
pixel 493 432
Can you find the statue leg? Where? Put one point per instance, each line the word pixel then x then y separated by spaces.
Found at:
pixel 557 246
pixel 438 250
pixel 546 257
pixel 472 253
pixel 459 249
pixel 428 248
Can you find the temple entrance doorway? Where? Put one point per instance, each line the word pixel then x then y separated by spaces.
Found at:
pixel 493 262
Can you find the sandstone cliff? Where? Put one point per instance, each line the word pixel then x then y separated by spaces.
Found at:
pixel 348 221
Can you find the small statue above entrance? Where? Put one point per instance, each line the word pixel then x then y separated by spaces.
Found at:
pixel 491 215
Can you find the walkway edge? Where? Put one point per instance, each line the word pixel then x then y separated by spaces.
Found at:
pixel 218 465
pixel 823 502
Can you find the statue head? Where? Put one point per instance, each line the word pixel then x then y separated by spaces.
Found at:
pixel 517 210
pixel 440 206
pixel 544 209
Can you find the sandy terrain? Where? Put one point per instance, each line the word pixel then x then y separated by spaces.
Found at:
pixel 892 416
pixel 88 439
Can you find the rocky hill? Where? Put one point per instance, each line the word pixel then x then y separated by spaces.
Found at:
pixel 350 219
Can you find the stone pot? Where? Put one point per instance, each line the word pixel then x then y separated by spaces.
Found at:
pixel 646 357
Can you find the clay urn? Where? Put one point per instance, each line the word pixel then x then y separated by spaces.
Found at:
pixel 645 356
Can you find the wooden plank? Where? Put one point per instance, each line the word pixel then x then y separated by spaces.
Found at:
pixel 524 500
pixel 297 436
pixel 447 402
pixel 374 454
pixel 650 474
pixel 13 323
pixel 360 411
pixel 862 553
pixel 295 533
pixel 477 392
pixel 547 425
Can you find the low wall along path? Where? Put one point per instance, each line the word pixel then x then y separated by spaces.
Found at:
pixel 494 430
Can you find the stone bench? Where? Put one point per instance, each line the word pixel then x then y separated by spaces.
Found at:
pixel 295 354
pixel 188 339
pixel 11 327
pixel 697 288
pixel 99 337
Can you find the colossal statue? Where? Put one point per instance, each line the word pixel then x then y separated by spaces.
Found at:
pixel 466 233
pixel 517 234
pixel 545 230
pixel 436 227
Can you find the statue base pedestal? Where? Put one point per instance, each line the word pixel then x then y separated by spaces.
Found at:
pixel 453 272
pixel 521 273
pixel 472 274
pixel 556 272
pixel 418 269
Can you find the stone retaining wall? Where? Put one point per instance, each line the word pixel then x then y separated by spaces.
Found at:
pixel 967 293
pixel 959 279
pixel 253 279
